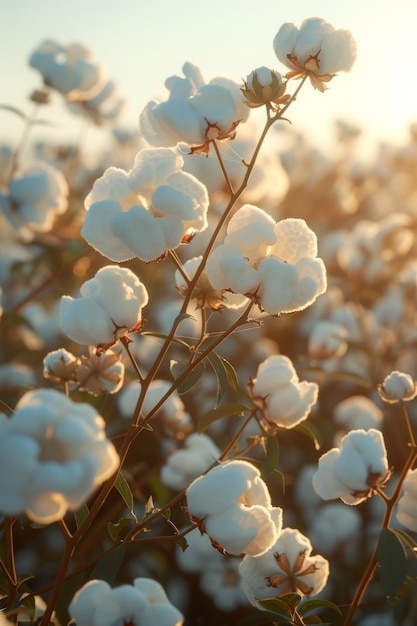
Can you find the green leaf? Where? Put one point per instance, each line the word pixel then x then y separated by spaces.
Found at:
pixel 231 374
pixel 271 456
pixel 392 561
pixel 81 515
pixel 123 488
pixel 311 432
pixel 276 606
pixel 11 109
pixel 292 599
pixel 182 543
pixel 108 567
pixel 312 605
pixel 224 410
pixel 177 368
pixel 221 374
pixel 114 529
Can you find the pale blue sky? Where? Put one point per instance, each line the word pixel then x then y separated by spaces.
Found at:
pixel 143 42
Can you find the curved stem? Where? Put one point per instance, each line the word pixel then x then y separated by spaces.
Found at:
pixel 178 264
pixel 222 167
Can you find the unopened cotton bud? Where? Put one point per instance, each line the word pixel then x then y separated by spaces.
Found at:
pixel 264 87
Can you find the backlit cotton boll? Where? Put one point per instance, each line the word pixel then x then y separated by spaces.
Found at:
pixel 232 504
pixel 146 211
pixel 397 386
pixel 354 471
pixel 315 49
pixel 109 308
pixel 35 196
pixel 185 464
pixel 407 504
pixel 195 112
pixel 53 454
pixel 70 69
pixel 275 263
pixel 287 567
pixel 283 399
pixel 144 603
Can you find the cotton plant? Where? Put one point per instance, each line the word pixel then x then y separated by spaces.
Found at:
pixel 221 260
pixel 70 69
pixel 195 112
pixel 147 211
pixel 35 196
pixel 144 602
pixel 54 453
pixel 354 471
pixel 259 253
pixel 232 504
pixel 109 308
pixel 288 566
pixel 284 400
pixel 316 50
pixel 95 373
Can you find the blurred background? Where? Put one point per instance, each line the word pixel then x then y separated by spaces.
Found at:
pixel 141 43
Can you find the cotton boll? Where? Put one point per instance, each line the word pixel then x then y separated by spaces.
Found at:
pixel 63 456
pixel 259 254
pixel 316 50
pixel 283 399
pixel 354 470
pixel 232 503
pixel 110 306
pixel 146 211
pixel 195 112
pixel 288 564
pixel 97 604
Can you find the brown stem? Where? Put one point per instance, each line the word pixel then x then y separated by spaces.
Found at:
pixel 60 577
pixel 222 167
pixel 126 344
pixel 236 438
pixel 201 357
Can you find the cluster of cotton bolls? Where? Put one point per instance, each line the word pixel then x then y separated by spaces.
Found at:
pixel 239 346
